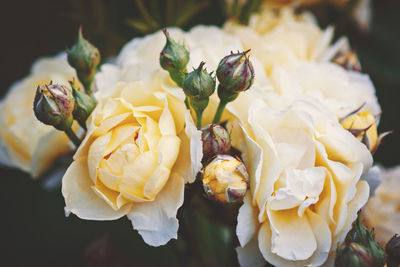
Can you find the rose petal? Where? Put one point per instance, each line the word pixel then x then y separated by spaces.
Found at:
pixel 156 220
pixel 81 200
pixel 250 255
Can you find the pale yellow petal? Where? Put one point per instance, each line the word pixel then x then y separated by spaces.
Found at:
pixel 81 200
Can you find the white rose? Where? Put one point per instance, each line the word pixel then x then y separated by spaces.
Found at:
pixel 280 37
pixel 382 211
pixel 341 91
pixel 25 142
pixel 304 182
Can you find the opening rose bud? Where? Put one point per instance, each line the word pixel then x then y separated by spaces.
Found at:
pixel 174 58
pixel 348 60
pixel 84 105
pixel 393 251
pixel 198 86
pixel 53 105
pixel 235 72
pixel 225 179
pixel 216 141
pixel 354 254
pixel 84 58
pixel 363 126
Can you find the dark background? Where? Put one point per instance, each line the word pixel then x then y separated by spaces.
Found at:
pixel 33 228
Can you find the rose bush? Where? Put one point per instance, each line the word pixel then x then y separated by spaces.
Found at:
pixel 25 142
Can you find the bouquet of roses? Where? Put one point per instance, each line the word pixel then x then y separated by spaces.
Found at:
pixel 271 117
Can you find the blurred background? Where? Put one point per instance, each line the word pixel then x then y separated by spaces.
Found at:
pixel 33 228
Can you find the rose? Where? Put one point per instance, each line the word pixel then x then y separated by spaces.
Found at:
pixel 304 182
pixel 25 142
pixel 295 53
pixel 341 91
pixel 134 160
pixel 280 37
pixel 382 211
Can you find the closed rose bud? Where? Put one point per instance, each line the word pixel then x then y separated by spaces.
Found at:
pixel 377 252
pixel 353 255
pixel 348 60
pixel 198 86
pixel 53 105
pixel 84 105
pixel 235 72
pixel 173 57
pixel 393 251
pixel 358 233
pixel 84 58
pixel 199 83
pixel 225 179
pixel 216 141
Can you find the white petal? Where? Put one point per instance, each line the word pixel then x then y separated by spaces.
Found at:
pixel 81 200
pixel 247 221
pixel 156 220
pixel 250 255
pixel 292 236
pixel 323 236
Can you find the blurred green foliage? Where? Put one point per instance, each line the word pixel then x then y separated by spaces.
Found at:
pixel 33 227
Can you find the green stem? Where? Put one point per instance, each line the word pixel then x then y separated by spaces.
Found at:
pixel 82 124
pixel 72 136
pixel 220 110
pixel 199 118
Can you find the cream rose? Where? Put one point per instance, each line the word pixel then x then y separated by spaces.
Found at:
pixel 134 160
pixel 278 37
pixel 382 211
pixel 26 143
pixel 304 182
pixel 341 91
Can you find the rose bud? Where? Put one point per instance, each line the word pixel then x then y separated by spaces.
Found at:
pixel 216 141
pixel 235 72
pixel 393 251
pixel 198 86
pixel 354 254
pixel 358 234
pixel 377 252
pixel 363 126
pixel 53 105
pixel 84 105
pixel 174 58
pixel 84 58
pixel 225 179
pixel 348 60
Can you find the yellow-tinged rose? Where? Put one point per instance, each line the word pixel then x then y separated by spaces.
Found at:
pixel 25 142
pixel 305 192
pixel 363 126
pixel 382 211
pixel 280 37
pixel 134 160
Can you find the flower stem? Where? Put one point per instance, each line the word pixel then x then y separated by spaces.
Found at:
pixel 220 110
pixel 199 118
pixel 72 136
